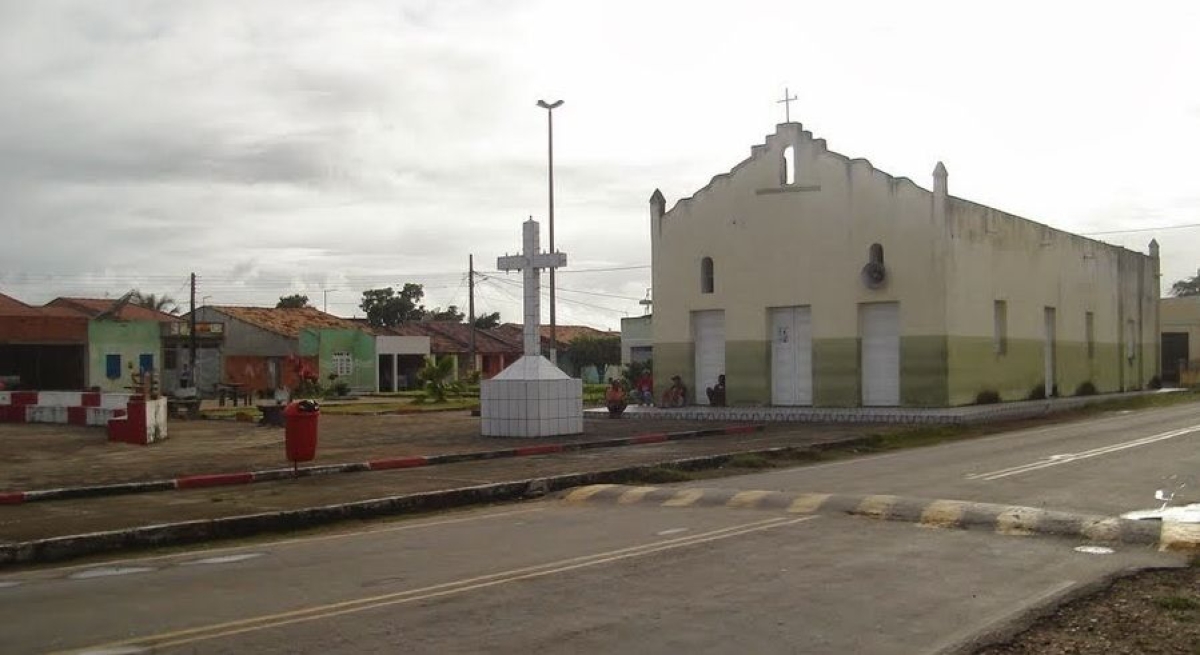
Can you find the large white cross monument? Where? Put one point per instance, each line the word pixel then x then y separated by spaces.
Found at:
pixel 532 397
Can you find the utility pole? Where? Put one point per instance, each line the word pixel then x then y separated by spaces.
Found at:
pixel 192 334
pixel 471 305
pixel 325 293
pixel 550 107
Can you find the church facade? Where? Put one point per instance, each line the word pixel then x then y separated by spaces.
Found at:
pixel 809 278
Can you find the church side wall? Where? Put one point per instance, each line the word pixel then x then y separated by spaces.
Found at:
pixel 803 244
pixel 994 256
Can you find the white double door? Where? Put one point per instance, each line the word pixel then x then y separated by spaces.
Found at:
pixel 791 356
pixel 879 328
pixel 708 334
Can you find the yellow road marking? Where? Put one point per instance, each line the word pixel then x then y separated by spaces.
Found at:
pixel 685 498
pixel 1179 536
pixel 230 628
pixel 583 493
pixel 634 495
pixel 943 513
pixel 876 506
pixel 747 498
pixel 807 503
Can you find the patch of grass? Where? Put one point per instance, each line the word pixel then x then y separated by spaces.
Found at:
pixel 1177 603
pixel 749 461
pixel 662 475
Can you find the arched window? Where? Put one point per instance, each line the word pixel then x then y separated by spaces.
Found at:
pixel 788 170
pixel 875 254
pixel 706 275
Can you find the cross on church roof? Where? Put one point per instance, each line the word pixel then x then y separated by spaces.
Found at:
pixel 787 105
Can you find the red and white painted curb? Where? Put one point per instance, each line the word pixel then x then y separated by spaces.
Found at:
pixel 201 481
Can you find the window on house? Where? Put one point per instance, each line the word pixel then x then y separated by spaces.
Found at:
pixel 706 275
pixel 343 364
pixel 112 366
pixel 1089 329
pixel 145 362
pixel 1000 327
pixel 788 173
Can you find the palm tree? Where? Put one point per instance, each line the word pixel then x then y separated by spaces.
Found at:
pixel 163 303
pixel 436 375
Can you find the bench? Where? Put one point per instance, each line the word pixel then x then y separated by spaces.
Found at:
pixel 187 408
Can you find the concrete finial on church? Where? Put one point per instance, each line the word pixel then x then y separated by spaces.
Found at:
pixel 1154 248
pixel 658 204
pixel 939 179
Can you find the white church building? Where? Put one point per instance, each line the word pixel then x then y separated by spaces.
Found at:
pixel 810 278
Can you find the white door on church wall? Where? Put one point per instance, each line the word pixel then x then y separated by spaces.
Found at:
pixel 708 337
pixel 791 356
pixel 879 327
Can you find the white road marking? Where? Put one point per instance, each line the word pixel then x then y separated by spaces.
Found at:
pixel 8 584
pixel 223 559
pixel 1066 458
pixel 106 571
pixel 671 531
pixel 1094 550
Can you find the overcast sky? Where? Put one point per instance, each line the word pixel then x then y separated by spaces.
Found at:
pixel 302 146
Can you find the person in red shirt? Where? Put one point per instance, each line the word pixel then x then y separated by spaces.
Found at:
pixel 643 391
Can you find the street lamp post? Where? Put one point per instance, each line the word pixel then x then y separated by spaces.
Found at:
pixel 550 107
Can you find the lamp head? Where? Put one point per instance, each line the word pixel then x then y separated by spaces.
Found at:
pixel 549 105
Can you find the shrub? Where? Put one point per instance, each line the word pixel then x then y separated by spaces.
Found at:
pixel 987 397
pixel 1038 392
pixel 1085 388
pixel 1154 383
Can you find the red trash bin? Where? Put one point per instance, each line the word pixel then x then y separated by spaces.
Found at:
pixel 300 430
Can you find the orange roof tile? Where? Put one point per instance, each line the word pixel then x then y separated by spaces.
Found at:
pixel 287 321
pixel 93 307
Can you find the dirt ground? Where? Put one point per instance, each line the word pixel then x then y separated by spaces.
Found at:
pixel 36 456
pixel 1148 613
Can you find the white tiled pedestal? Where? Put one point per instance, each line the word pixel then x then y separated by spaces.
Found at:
pixel 531 398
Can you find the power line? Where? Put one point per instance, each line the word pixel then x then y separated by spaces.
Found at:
pixel 1140 229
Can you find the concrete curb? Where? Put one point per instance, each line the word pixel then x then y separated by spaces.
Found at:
pixel 1001 519
pixel 73 546
pixel 248 477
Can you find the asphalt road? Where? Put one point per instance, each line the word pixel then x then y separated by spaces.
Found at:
pixel 557 578
pixel 1109 464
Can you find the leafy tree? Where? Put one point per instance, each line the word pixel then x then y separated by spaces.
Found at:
pixel 386 307
pixel 163 303
pixel 294 301
pixel 436 377
pixel 1188 286
pixel 597 351
pixel 488 321
pixel 451 314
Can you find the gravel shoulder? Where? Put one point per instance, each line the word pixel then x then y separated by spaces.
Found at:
pixel 1148 612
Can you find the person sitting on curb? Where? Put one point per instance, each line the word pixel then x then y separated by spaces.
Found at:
pixel 716 394
pixel 676 394
pixel 614 398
